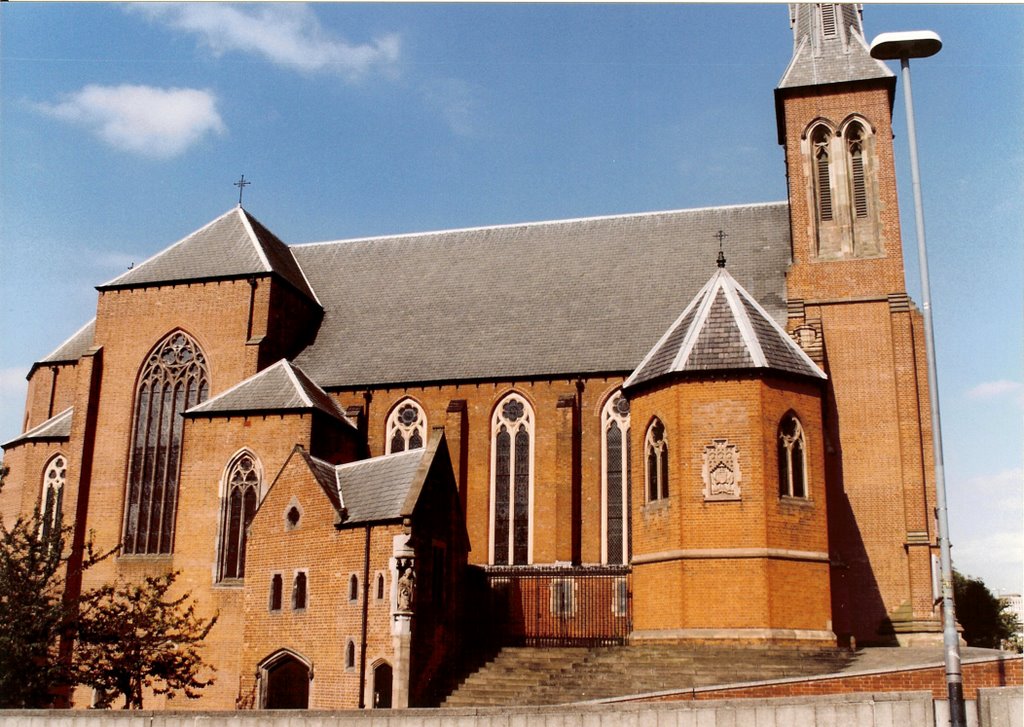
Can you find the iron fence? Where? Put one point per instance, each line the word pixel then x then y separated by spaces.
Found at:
pixel 555 606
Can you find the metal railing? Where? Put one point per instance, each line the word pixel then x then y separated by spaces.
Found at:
pixel 560 606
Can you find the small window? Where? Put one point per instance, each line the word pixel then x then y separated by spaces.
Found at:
pixel 241 496
pixel 620 597
pixel 293 516
pixel 828 20
pixel 563 597
pixel 406 427
pixel 276 589
pixel 350 655
pixel 858 184
pixel 656 449
pixel 792 458
pixel 821 142
pixel 380 586
pixel 353 587
pixel 299 592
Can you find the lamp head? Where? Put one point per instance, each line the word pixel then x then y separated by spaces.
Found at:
pixel 905 44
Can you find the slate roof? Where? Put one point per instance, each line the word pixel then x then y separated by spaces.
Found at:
pixel 563 297
pixel 723 328
pixel 280 387
pixel 371 490
pixel 233 245
pixel 55 429
pixel 837 58
pixel 74 347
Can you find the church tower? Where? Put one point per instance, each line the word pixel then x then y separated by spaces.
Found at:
pixel 849 309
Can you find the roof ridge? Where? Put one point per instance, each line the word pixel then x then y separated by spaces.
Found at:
pixel 538 223
pixel 254 239
pixel 248 218
pixel 295 381
pixel 746 328
pixel 707 301
pixel 378 458
pixel 69 339
pixel 781 331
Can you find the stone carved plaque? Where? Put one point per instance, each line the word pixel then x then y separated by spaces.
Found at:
pixel 721 471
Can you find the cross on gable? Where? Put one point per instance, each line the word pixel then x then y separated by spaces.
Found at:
pixel 241 184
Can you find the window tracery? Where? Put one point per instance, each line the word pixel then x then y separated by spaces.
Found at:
pixel 792 454
pixel 174 378
pixel 54 476
pixel 406 427
pixel 511 481
pixel 656 451
pixel 616 479
pixel 241 497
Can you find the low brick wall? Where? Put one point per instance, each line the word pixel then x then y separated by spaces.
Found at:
pixel 977 674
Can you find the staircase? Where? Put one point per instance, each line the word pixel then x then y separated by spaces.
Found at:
pixel 544 676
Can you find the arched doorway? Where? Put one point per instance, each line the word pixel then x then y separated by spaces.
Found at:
pixel 382 686
pixel 286 681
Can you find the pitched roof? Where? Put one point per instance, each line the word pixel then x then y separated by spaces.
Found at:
pixel 280 387
pixel 233 245
pixel 73 348
pixel 836 56
pixel 562 297
pixel 723 328
pixel 56 428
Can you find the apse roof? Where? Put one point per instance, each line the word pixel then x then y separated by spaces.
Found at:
pixel 233 245
pixel 56 428
pixel 723 328
pixel 280 387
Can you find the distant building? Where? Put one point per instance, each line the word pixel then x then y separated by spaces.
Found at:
pixel 626 440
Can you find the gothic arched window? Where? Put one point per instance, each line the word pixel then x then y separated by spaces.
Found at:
pixel 511 481
pixel 855 139
pixel 173 379
pixel 50 508
pixel 299 593
pixel 821 142
pixel 241 496
pixel 406 427
pixel 656 454
pixel 792 450
pixel 616 480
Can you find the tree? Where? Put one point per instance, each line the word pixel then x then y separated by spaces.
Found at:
pixel 132 636
pixel 980 613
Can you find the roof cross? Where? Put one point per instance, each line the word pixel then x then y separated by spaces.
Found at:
pixel 721 255
pixel 241 184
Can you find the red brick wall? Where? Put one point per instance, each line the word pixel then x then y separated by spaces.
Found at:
pixel 978 675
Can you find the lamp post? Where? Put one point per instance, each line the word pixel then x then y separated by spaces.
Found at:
pixel 904 46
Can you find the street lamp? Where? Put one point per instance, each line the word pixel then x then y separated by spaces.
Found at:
pixel 904 46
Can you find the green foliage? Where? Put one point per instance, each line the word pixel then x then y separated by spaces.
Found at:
pixel 980 613
pixel 132 636
pixel 33 563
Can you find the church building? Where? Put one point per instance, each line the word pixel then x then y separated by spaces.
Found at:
pixel 364 453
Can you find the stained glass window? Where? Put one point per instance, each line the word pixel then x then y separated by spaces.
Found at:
pixel 173 379
pixel 406 427
pixel 50 508
pixel 615 424
pixel 657 461
pixel 242 494
pixel 792 458
pixel 512 480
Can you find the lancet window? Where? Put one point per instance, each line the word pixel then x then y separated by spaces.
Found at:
pixel 173 379
pixel 821 142
pixel 406 427
pixel 241 496
pixel 53 494
pixel 616 480
pixel 511 481
pixel 656 453
pixel 792 450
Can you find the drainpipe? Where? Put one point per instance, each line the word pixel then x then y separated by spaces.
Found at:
pixel 366 607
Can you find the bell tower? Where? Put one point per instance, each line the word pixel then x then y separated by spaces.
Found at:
pixel 849 309
pixel 834 110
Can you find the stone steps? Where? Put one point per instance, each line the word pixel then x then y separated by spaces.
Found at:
pixel 540 676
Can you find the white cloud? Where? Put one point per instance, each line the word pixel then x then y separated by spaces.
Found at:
pixel 996 389
pixel 286 35
pixel 155 122
pixel 996 557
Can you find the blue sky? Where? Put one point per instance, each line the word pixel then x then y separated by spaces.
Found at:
pixel 123 127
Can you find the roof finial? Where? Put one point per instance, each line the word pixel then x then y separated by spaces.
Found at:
pixel 721 255
pixel 241 184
